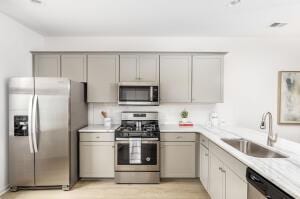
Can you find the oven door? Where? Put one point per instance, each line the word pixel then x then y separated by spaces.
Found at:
pixel 149 156
pixel 138 94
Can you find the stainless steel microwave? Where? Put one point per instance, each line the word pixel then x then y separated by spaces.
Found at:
pixel 138 93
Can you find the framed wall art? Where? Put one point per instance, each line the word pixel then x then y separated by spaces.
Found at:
pixel 289 97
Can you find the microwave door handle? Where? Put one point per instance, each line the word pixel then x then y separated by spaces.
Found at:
pixel 151 93
pixel 34 123
pixel 30 124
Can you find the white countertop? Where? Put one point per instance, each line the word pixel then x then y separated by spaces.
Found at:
pixel 285 173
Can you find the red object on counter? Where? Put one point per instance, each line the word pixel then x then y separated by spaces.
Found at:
pixel 186 124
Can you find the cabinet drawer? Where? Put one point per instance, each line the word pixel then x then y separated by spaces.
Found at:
pixel 204 141
pixel 178 137
pixel 97 137
pixel 235 165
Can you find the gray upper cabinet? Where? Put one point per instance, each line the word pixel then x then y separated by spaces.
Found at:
pixel 139 68
pixel 128 68
pixel 47 65
pixel 207 83
pixel 73 66
pixel 175 78
pixel 102 78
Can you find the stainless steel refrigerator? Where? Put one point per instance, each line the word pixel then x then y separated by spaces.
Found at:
pixel 44 116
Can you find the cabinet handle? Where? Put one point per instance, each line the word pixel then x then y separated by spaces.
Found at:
pixel 203 140
pixel 97 137
pixel 178 137
pixel 220 169
pixel 206 154
pixel 112 146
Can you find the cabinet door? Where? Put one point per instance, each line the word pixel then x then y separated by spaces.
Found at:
pixel 47 65
pixel 148 68
pixel 129 68
pixel 175 78
pixel 74 67
pixel 178 160
pixel 216 178
pixel 102 78
pixel 207 85
pixel 204 161
pixel 97 159
pixel 236 188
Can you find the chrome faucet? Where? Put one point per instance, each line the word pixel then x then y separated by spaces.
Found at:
pixel 272 137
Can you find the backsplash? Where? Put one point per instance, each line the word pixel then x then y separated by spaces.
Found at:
pixel 168 113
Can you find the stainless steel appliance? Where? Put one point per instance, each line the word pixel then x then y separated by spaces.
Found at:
pixel 261 188
pixel 138 93
pixel 143 125
pixel 44 116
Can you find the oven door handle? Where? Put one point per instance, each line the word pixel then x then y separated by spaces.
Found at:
pixel 143 141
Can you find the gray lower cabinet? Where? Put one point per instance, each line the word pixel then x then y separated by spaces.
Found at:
pixel 102 78
pixel 207 79
pixel 227 176
pixel 175 78
pixel 47 65
pixel 96 155
pixel 73 66
pixel 178 155
pixel 139 67
pixel 204 166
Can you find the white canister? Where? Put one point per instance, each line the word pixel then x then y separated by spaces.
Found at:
pixel 107 122
pixel 214 119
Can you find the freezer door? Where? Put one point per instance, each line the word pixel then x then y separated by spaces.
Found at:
pixel 52 131
pixel 21 156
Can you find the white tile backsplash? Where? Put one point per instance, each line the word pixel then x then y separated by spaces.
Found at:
pixel 169 113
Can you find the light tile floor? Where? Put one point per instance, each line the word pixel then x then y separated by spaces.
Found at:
pixel 107 189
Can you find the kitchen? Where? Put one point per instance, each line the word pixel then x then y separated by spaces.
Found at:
pixel 173 115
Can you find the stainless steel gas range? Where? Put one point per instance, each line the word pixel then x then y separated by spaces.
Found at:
pixel 137 148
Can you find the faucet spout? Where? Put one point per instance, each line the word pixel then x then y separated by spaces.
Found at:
pixel 272 137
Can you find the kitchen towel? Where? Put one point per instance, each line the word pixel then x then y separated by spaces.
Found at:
pixel 135 149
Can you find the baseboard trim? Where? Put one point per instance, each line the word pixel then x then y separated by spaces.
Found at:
pixel 4 190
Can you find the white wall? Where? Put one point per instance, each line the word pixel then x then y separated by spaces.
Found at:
pixel 169 113
pixel 16 42
pixel 251 69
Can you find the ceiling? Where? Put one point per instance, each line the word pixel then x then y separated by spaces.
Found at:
pixel 156 17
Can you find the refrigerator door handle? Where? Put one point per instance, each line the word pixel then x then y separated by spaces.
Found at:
pixel 34 123
pixel 30 124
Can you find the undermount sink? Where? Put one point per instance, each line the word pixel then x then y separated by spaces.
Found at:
pixel 252 149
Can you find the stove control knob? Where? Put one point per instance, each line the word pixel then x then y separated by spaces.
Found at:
pixel 148 159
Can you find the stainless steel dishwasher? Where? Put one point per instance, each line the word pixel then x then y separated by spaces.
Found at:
pixel 261 188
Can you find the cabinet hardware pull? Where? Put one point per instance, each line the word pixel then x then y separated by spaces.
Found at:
pixel 178 137
pixel 98 137
pixel 206 154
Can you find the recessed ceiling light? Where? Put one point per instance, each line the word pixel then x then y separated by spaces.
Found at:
pixel 277 25
pixel 235 2
pixel 36 1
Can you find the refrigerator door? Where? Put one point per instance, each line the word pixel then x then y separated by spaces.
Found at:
pixel 51 140
pixel 21 156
